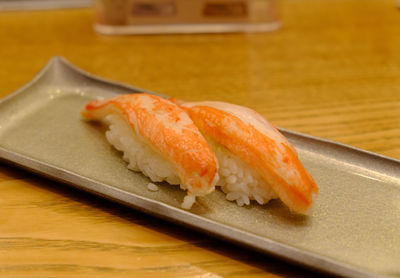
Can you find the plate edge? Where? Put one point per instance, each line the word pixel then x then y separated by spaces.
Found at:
pixel 310 260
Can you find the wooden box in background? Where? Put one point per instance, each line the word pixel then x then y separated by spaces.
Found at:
pixel 185 16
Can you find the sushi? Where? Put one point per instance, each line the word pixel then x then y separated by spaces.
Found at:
pixel 158 139
pixel 256 161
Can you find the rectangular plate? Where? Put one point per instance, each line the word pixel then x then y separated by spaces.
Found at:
pixel 353 229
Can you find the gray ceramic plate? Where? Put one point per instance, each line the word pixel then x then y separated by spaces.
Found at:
pixel 353 229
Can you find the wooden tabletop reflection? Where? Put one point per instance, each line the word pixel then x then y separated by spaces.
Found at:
pixel 332 71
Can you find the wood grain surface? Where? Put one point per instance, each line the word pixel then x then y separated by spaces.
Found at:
pixel 333 71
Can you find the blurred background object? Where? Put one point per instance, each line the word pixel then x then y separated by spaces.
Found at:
pixel 185 16
pixel 42 4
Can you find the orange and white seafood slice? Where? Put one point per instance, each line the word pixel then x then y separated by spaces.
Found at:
pixel 244 135
pixel 168 132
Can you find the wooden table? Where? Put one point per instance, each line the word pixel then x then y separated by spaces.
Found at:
pixel 332 71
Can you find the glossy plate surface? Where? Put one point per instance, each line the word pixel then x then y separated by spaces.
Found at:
pixel 353 229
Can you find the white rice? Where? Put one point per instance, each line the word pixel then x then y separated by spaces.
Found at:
pixel 188 201
pixel 152 187
pixel 238 180
pixel 141 157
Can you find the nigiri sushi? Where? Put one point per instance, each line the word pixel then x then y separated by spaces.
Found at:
pixel 158 139
pixel 256 161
